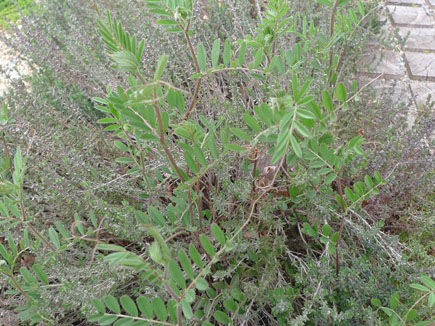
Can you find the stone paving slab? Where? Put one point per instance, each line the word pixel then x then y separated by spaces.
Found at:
pixel 424 92
pixel 386 62
pixel 406 72
pixel 422 65
pixel 418 39
pixel 394 88
pixel 397 91
pixel 406 2
pixel 411 16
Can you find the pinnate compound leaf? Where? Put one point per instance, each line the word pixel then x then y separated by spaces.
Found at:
pixel 201 284
pixel 239 133
pixel 235 148
pixel 156 253
pixel 145 307
pixel 110 247
pixel 419 287
pixel 218 234
pixel 125 322
pixel 376 302
pixel 39 271
pixel 160 309
pixel 190 296
pixel 242 54
pixel 202 57
pixel 54 237
pixel 161 65
pixel 424 323
pixel 281 147
pixel 207 245
pixel 308 229
pixel 172 307
pixel 221 317
pixel 327 230
pixel 107 320
pixel 431 300
pixel 125 61
pixel 327 101
pixel 215 52
pixel 28 276
pixel 187 309
pixel 129 305
pixel 252 123
pixel 388 311
pixel 227 52
pixel 341 92
pixel 186 264
pixel 426 280
pixel 112 303
pixel 167 22
pixel 196 256
pixel 230 305
pixel 176 274
pixel 412 314
pixel 296 147
pixel 306 114
pixel 302 129
pixel 99 305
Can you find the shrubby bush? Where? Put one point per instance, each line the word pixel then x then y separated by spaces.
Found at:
pixel 238 196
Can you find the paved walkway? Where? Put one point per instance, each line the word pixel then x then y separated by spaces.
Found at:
pixel 12 66
pixel 407 59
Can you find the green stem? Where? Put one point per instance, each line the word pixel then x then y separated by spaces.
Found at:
pixel 16 284
pixel 331 35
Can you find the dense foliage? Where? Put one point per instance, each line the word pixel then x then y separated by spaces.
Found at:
pixel 10 11
pixel 237 192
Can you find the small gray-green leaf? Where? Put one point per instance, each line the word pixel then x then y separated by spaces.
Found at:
pixel 428 281
pixel 207 245
pixel 186 264
pixel 341 92
pixel 160 309
pixel 327 101
pixel 201 284
pixel 227 52
pixel 39 271
pixel 195 255
pixel 296 147
pixel 112 303
pixel 125 61
pixel 161 65
pixel 218 234
pixel 300 127
pixel 99 305
pixel 129 305
pixel 176 274
pixel 215 52
pixel 242 54
pixel 156 253
pixel 419 287
pixel 145 307
pixel 54 237
pixel 202 57
pixel 221 317
pixel 187 309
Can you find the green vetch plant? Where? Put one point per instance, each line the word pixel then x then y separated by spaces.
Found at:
pixel 166 138
pixel 413 314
